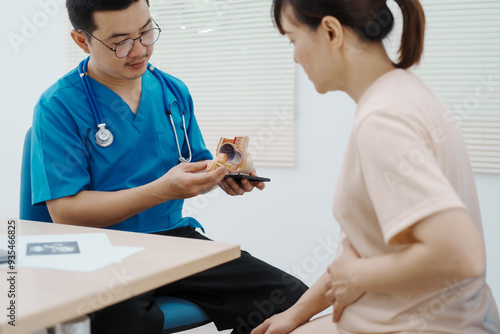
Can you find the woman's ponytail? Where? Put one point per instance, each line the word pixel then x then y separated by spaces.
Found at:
pixel 372 20
pixel 412 39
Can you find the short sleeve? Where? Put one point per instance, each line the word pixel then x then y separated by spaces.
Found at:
pixel 59 157
pixel 402 176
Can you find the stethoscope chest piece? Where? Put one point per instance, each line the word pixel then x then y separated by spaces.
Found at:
pixel 103 137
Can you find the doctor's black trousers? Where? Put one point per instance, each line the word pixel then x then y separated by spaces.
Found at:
pixel 237 295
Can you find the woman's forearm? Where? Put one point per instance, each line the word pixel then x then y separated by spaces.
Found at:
pixel 449 249
pixel 313 301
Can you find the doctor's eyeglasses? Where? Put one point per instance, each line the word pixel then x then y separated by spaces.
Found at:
pixel 123 48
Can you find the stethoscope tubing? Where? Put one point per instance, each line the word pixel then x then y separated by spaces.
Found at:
pixel 96 110
pixel 168 111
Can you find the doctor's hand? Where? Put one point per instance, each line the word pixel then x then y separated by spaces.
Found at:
pixel 188 180
pixel 340 290
pixel 237 188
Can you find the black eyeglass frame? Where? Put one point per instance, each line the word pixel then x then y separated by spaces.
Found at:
pixel 126 39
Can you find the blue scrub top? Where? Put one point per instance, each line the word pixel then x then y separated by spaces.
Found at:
pixel 66 160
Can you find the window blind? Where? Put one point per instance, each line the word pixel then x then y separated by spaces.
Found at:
pixel 461 64
pixel 239 70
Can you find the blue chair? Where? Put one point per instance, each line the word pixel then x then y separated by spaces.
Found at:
pixel 179 314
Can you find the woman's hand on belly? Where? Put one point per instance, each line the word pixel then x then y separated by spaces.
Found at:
pixel 340 290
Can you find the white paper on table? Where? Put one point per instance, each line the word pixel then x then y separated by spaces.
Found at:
pixel 96 251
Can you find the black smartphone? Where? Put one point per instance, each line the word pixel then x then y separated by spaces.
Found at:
pixel 239 177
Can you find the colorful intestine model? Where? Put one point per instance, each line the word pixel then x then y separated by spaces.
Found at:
pixel 233 153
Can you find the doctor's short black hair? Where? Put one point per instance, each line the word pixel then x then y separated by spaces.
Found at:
pixel 81 12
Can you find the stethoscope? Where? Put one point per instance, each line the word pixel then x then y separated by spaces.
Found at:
pixel 104 137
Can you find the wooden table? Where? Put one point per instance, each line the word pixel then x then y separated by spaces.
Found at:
pixel 45 297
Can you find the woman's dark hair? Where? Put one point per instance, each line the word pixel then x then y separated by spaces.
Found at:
pixel 81 12
pixel 372 20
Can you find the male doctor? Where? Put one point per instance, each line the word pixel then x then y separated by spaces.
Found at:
pixel 136 181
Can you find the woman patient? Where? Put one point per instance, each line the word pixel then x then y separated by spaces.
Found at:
pixel 412 255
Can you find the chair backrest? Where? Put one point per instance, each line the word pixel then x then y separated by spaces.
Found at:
pixel 27 211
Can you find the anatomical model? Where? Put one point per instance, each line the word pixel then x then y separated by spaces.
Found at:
pixel 233 153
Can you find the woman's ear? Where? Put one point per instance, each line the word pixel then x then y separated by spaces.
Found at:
pixel 333 28
pixel 81 40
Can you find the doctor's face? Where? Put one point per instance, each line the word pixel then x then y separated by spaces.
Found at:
pixel 112 28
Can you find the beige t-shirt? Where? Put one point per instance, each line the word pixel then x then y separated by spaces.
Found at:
pixel 406 160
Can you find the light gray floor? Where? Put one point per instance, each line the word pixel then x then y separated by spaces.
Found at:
pixel 206 329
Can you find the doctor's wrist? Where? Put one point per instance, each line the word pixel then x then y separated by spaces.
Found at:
pixel 154 193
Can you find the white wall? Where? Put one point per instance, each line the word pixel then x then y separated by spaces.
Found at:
pixel 289 224
pixel 28 65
